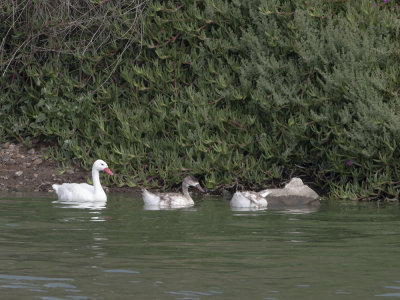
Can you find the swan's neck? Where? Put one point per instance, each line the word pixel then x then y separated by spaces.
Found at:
pixel 96 181
pixel 185 190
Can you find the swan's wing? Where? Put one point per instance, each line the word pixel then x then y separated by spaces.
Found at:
pixel 165 199
pixel 248 199
pixel 78 188
pixel 150 199
pixel 74 191
pixel 255 198
pixel 175 200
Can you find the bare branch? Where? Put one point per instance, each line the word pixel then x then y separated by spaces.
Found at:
pixel 68 28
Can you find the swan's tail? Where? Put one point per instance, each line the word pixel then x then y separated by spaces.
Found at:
pixel 150 199
pixel 55 187
pixel 238 200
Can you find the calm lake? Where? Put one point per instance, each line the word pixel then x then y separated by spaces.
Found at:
pixel 341 250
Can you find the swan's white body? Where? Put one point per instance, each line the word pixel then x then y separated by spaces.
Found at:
pixel 84 191
pixel 248 199
pixel 171 200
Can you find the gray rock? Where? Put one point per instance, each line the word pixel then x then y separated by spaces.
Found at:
pixel 37 161
pixel 294 193
pixel 18 173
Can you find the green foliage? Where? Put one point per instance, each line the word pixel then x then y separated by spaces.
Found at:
pixel 328 70
pixel 234 92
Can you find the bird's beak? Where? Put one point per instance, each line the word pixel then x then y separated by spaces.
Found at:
pixel 198 186
pixel 107 170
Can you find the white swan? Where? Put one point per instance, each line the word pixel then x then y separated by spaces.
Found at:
pixel 172 200
pixel 84 191
pixel 248 199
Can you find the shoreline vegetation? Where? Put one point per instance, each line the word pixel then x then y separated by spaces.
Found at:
pixel 239 95
pixel 30 170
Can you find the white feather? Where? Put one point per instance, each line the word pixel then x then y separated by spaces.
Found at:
pixel 248 199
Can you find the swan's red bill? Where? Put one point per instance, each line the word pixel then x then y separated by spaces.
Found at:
pixel 108 171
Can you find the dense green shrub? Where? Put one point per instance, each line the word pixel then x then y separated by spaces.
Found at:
pixel 243 93
pixel 332 84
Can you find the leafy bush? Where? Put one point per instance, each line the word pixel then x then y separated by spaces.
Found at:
pixel 239 93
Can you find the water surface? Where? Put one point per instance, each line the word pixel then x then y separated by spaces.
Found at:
pixel 51 250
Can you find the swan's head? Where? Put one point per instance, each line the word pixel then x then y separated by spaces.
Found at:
pixel 101 165
pixel 191 181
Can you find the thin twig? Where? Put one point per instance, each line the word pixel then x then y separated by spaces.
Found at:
pixel 75 27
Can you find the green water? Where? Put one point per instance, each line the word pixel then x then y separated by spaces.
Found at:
pixel 340 251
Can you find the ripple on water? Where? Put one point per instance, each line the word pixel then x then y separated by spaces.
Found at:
pixel 28 282
pixel 121 271
pixel 342 292
pixel 392 295
pixel 68 297
pixel 60 285
pixel 392 287
pixel 194 294
pixel 21 277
